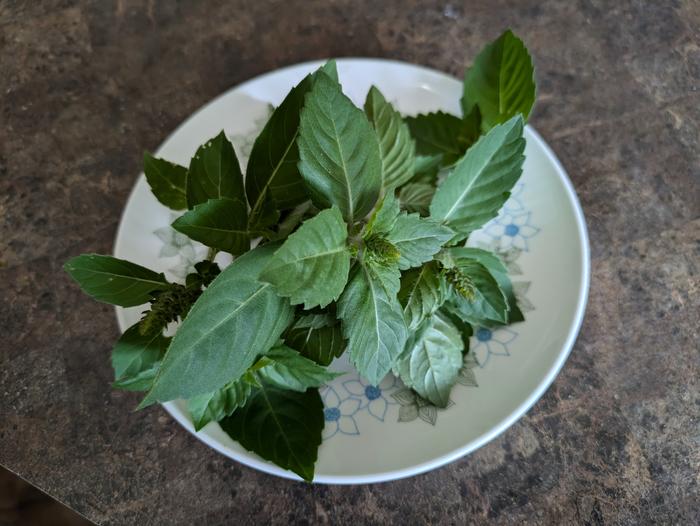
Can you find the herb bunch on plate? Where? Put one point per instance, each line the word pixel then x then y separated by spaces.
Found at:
pixel 349 235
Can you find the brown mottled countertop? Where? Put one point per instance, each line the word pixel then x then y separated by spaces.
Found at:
pixel 86 86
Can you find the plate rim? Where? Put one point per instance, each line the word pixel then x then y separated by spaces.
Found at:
pixel 250 459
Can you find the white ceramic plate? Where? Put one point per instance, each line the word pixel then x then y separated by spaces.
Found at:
pixel 379 433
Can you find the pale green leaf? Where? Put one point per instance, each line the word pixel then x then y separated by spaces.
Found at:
pixel 214 173
pixel 340 159
pixel 141 381
pixel 312 265
pixel 501 82
pixel 384 217
pixel 212 407
pixel 280 425
pixel 235 319
pixel 417 239
pixel 116 281
pixel 217 223
pixel 498 270
pixel 288 369
pixel 396 145
pixel 486 301
pixel 432 365
pixel 373 324
pixel 480 182
pixel 423 291
pixel 168 181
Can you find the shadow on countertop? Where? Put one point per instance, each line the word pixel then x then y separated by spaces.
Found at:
pixel 21 504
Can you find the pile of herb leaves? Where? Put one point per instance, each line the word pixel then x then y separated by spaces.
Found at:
pixel 359 219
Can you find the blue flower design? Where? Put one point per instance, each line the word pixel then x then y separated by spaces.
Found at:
pixel 375 398
pixel 339 414
pixel 491 341
pixel 512 230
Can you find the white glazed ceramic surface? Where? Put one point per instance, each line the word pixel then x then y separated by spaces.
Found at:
pixel 379 433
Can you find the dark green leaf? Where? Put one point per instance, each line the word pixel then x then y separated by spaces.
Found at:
pixel 135 352
pixel 312 265
pixel 281 426
pixel 235 319
pixel 480 183
pixel 501 82
pixel 168 181
pixel 317 337
pixel 212 407
pixel 116 281
pixel 440 133
pixel 426 168
pixel 373 324
pixel 416 197
pixel 396 145
pixel 273 180
pixel 218 223
pixel 339 151
pixel 214 173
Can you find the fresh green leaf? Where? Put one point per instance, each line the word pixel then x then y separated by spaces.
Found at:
pixel 498 270
pixel 501 82
pixel 480 182
pixel 312 265
pixel 287 369
pixel 483 301
pixel 440 133
pixel 373 324
pixel 141 381
pixel 330 69
pixel 280 425
pixel 416 197
pixel 168 181
pixel 212 407
pixel 417 239
pixel 384 217
pixel 340 159
pixel 135 352
pixel 214 173
pixel 317 337
pixel 292 220
pixel 427 166
pixel 272 178
pixel 386 272
pixel 218 223
pixel 449 311
pixel 116 281
pixel 235 319
pixel 396 145
pixel 423 291
pixel 432 365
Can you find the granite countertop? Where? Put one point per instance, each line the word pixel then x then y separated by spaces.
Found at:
pixel 85 87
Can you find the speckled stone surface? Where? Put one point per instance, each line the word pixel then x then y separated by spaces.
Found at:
pixel 85 87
